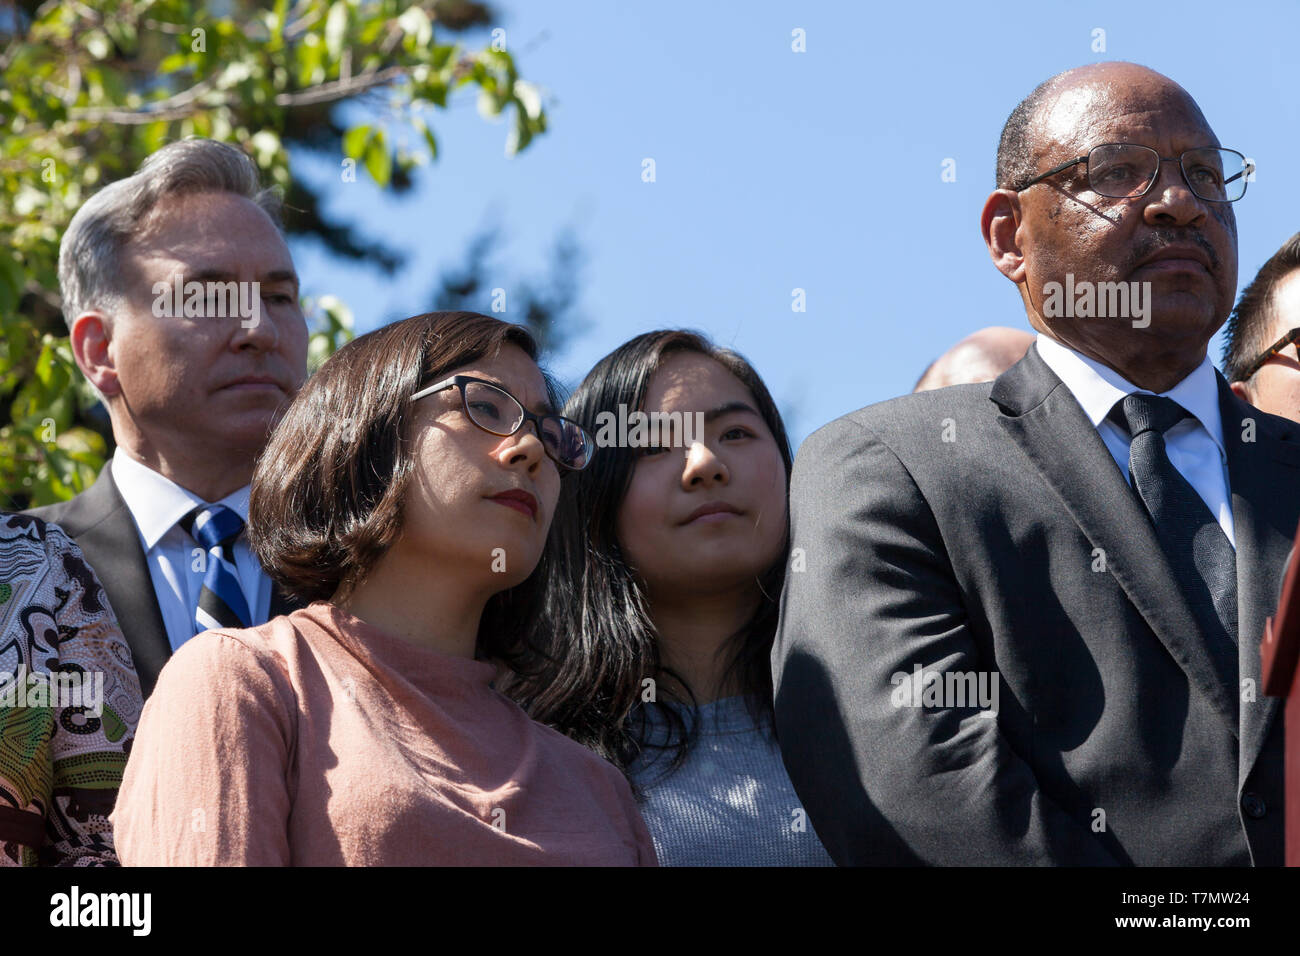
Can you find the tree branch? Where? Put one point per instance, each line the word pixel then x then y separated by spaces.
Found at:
pixel 340 89
pixel 182 104
pixel 178 106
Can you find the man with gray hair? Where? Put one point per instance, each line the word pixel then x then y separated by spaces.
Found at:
pixel 182 305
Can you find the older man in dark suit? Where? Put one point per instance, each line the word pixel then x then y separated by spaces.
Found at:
pixel 182 307
pixel 1026 629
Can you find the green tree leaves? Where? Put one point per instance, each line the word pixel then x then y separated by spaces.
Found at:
pixel 91 88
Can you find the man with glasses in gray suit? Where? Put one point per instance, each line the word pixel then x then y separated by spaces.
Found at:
pixel 1026 628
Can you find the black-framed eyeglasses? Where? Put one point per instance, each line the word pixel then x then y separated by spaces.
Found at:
pixel 1274 349
pixel 1128 171
pixel 493 409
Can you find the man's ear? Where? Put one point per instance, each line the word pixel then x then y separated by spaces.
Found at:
pixel 90 337
pixel 1000 224
pixel 1242 391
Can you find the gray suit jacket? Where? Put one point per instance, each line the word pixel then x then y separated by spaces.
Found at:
pixel 101 524
pixel 986 529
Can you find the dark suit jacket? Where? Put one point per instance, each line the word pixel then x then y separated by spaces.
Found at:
pixel 101 524
pixel 986 528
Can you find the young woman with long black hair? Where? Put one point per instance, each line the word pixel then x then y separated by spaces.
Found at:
pixel 662 579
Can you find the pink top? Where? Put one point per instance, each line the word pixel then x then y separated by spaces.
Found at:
pixel 318 740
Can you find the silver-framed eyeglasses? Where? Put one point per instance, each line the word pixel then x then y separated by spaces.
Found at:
pixel 493 409
pixel 1128 171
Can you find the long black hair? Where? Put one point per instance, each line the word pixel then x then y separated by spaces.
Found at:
pixel 595 645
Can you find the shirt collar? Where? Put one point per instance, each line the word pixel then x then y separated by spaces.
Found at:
pixel 1097 387
pixel 156 502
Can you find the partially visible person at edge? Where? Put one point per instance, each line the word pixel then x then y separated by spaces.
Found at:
pixel 407 496
pixel 69 701
pixel 662 581
pixel 1260 360
pixel 980 357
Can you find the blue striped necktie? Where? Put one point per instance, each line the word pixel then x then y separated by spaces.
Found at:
pixel 221 601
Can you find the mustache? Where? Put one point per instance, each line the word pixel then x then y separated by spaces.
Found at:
pixel 1158 239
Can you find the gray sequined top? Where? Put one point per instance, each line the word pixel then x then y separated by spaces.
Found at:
pixel 731 803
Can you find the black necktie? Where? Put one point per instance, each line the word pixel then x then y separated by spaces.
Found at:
pixel 1202 557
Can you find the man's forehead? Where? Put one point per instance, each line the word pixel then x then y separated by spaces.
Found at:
pixel 215 258
pixel 204 216
pixel 1286 303
pixel 1100 111
pixel 184 228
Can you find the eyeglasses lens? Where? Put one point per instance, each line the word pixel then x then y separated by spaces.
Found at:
pixel 496 411
pixel 1123 171
pixel 492 409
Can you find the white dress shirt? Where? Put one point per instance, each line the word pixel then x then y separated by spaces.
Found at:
pixel 156 504
pixel 1195 445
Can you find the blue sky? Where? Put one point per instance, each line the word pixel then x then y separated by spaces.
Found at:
pixel 778 170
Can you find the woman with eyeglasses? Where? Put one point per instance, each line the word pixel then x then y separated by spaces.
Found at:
pixel 662 579
pixel 406 495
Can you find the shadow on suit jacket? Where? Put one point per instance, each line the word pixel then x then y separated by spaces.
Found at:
pixel 101 524
pixel 987 529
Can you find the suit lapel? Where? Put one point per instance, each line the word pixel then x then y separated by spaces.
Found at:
pixel 1042 417
pixel 108 536
pixel 1264 475
pixel 102 525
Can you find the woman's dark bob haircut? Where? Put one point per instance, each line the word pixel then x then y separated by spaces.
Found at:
pixel 595 643
pixel 328 490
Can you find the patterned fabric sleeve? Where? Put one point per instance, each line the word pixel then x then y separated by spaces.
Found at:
pixel 69 701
